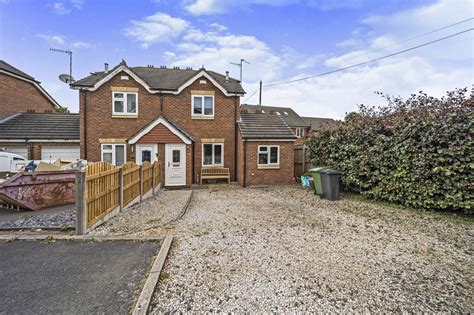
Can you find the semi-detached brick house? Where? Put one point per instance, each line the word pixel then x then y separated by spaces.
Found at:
pixel 28 124
pixel 186 119
pixel 20 92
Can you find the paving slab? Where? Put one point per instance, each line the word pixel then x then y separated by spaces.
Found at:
pixel 72 277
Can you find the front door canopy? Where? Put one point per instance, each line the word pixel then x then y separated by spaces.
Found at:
pixel 161 120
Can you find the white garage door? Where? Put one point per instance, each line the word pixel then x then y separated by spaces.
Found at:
pixel 23 151
pixel 52 153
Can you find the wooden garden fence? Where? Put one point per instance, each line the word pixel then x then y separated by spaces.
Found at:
pixel 103 190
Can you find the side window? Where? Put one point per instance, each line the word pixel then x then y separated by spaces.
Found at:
pixel 269 155
pixel 124 103
pixel 203 105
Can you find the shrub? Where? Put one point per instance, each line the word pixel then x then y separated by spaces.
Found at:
pixel 417 152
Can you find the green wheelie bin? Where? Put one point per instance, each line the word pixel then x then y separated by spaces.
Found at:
pixel 318 188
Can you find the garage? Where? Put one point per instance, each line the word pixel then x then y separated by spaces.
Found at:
pixel 52 153
pixel 23 151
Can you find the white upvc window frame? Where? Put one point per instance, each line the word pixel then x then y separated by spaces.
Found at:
pixel 203 96
pixel 299 132
pixel 213 155
pixel 113 152
pixel 124 100
pixel 268 153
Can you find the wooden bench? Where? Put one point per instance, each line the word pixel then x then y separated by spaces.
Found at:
pixel 215 173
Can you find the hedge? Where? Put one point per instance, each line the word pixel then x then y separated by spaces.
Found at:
pixel 417 152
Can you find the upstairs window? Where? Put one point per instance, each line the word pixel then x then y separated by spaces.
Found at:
pixel 213 154
pixel 203 106
pixel 268 155
pixel 299 132
pixel 124 103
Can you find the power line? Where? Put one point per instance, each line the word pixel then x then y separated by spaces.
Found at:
pixel 370 52
pixel 251 95
pixel 370 61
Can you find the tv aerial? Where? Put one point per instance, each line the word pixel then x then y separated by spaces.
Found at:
pixel 66 78
pixel 241 65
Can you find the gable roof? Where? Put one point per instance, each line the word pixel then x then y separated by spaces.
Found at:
pixel 287 114
pixel 166 80
pixel 262 126
pixel 317 123
pixel 40 126
pixel 175 128
pixel 10 70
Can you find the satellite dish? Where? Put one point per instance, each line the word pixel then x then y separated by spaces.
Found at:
pixel 66 78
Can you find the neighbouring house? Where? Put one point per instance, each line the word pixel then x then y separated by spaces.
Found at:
pixel 41 136
pixel 266 150
pixel 317 123
pixel 298 125
pixel 20 92
pixel 186 119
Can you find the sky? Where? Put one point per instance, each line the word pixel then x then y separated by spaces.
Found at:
pixel 281 39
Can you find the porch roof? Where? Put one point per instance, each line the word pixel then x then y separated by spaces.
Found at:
pixel 174 127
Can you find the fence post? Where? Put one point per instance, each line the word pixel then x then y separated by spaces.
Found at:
pixel 81 203
pixel 141 183
pixel 121 188
pixel 153 179
pixel 304 159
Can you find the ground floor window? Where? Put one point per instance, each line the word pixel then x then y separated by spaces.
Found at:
pixel 113 153
pixel 268 155
pixel 213 154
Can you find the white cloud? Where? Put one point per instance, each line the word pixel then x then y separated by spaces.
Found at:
pixel 77 4
pixel 218 27
pixel 434 69
pixel 61 41
pixel 60 8
pixel 66 7
pixel 209 7
pixel 215 51
pixel 57 40
pixel 159 27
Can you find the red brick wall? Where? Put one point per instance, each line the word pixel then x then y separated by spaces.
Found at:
pixel 160 134
pixel 101 124
pixel 283 175
pixel 17 95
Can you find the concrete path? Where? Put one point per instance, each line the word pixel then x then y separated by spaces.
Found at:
pixel 72 277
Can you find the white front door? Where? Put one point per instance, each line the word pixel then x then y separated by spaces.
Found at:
pixel 175 164
pixel 146 152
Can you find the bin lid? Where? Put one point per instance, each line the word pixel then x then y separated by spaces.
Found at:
pixel 329 171
pixel 317 169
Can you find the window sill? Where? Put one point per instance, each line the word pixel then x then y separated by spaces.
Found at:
pixel 269 167
pixel 124 116
pixel 202 117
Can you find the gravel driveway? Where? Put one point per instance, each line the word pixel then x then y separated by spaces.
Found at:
pixel 282 249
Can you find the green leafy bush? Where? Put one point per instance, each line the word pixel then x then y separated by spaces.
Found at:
pixel 417 152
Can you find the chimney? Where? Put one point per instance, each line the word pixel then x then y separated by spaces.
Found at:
pixel 227 76
pixel 106 67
